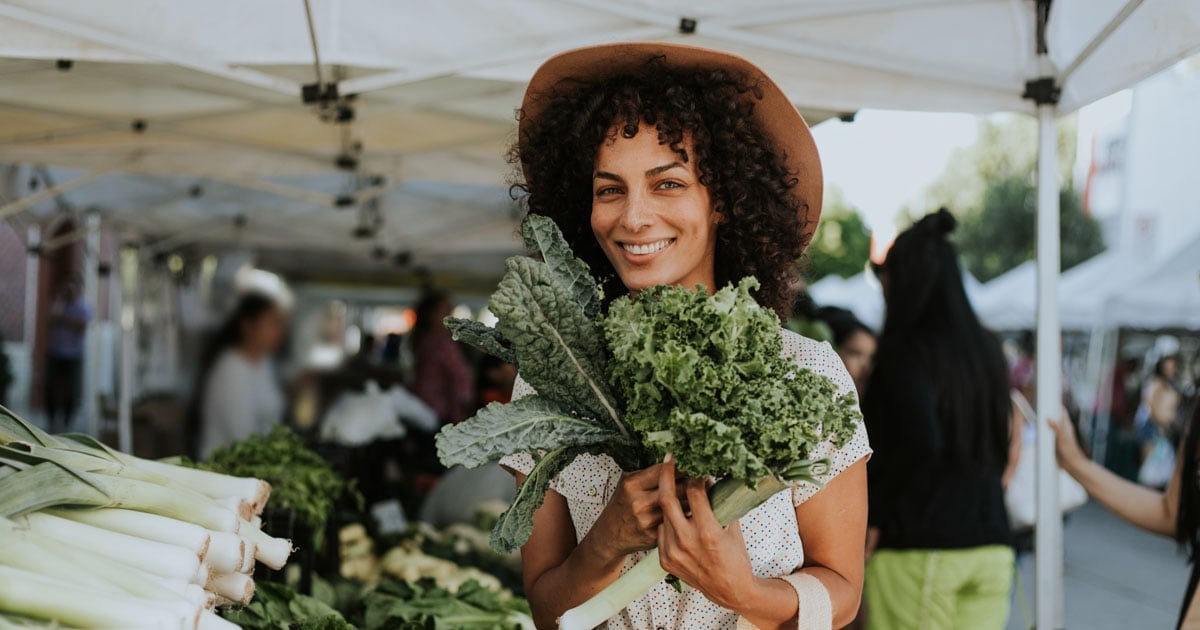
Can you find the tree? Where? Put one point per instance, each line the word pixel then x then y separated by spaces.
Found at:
pixel 1001 233
pixel 842 243
pixel 990 187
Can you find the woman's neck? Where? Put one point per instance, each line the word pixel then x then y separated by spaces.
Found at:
pixel 250 353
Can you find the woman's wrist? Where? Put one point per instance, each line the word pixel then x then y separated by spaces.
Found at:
pixel 764 602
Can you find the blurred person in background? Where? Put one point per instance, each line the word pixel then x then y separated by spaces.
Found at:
pixel 805 321
pixel 854 342
pixel 1174 512
pixel 443 378
pixel 937 411
pixel 237 393
pixel 69 317
pixel 1159 405
pixel 496 380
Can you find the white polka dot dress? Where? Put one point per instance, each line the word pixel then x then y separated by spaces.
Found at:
pixel 771 533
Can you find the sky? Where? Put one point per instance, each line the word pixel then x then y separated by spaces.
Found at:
pixel 884 160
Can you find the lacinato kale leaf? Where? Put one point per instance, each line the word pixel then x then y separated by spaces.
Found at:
pixel 530 424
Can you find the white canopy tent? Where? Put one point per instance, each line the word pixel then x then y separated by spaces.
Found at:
pixel 216 88
pixel 1165 298
pixel 862 295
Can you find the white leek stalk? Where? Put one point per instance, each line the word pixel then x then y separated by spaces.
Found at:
pixel 143 525
pixel 270 551
pixel 204 575
pixel 235 586
pixel 213 485
pixel 248 560
pixel 39 597
pixel 148 555
pixel 210 621
pixel 226 552
pixel 81 566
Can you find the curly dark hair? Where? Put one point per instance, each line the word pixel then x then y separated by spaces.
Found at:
pixel 761 230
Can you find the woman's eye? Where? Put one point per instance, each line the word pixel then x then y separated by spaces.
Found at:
pixel 608 190
pixel 669 185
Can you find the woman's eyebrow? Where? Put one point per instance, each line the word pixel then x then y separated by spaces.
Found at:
pixel 607 175
pixel 657 170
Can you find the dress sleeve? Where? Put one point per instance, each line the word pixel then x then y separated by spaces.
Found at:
pixel 824 361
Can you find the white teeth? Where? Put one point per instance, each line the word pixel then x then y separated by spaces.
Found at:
pixel 649 248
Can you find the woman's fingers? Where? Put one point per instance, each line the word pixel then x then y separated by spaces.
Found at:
pixel 702 512
pixel 672 510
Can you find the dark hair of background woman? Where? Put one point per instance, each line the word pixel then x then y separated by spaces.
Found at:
pixel 249 307
pixel 748 179
pixel 426 308
pixel 931 326
pixel 843 323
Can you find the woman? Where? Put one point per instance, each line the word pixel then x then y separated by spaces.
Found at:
pixel 937 410
pixel 442 376
pixel 238 394
pixel 854 342
pixel 1159 406
pixel 1174 512
pixel 667 164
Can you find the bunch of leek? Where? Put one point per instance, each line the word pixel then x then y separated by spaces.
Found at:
pixel 95 538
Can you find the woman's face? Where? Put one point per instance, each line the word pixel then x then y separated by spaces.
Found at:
pixel 1170 368
pixel 651 215
pixel 857 352
pixel 264 334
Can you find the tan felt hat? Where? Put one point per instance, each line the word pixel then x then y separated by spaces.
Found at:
pixel 775 112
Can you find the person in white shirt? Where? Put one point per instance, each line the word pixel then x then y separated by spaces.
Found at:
pixel 238 393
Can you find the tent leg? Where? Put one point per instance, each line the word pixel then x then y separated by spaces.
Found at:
pixel 129 330
pixel 1048 541
pixel 1104 413
pixel 29 335
pixel 91 353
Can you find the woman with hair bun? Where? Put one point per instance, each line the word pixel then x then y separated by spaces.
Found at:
pixel 937 409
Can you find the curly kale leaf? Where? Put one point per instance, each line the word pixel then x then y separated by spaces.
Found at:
pixel 703 377
pixel 526 425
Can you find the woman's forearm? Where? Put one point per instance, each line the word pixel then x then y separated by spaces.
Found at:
pixel 585 572
pixel 775 603
pixel 1146 508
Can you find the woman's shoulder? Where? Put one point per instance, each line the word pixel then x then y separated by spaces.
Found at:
pixel 817 356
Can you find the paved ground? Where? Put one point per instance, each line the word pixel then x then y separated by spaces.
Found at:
pixel 1116 577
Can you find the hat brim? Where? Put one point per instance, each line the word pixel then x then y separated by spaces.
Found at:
pixel 776 114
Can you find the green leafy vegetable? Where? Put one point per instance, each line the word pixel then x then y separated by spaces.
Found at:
pixel 300 479
pixel 422 605
pixel 703 378
pixel 529 424
pixel 277 607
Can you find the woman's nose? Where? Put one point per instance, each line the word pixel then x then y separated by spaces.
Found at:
pixel 636 215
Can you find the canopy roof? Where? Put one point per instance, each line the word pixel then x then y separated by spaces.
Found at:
pixel 211 91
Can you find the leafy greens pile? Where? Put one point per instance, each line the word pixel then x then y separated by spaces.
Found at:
pixel 669 370
pixel 301 480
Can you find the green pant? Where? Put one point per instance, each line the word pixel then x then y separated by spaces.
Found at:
pixel 925 589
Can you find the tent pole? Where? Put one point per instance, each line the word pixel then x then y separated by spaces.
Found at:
pixel 129 270
pixel 33 261
pixel 1049 558
pixel 91 346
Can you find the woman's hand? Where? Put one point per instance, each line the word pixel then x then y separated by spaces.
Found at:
pixel 630 521
pixel 1070 455
pixel 697 550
